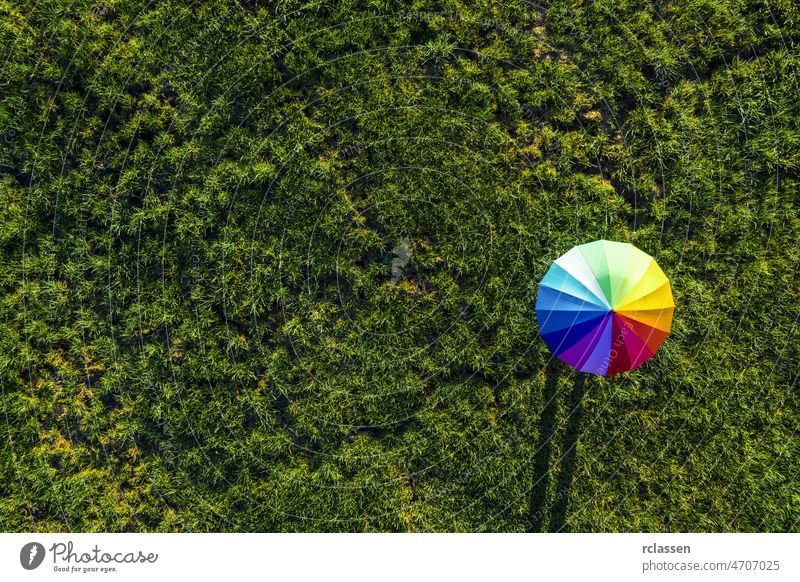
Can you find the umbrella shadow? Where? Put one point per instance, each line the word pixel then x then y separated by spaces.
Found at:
pixel 551 514
pixel 544 448
pixel 560 503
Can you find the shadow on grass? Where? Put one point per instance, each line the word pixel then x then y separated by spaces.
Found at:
pixel 541 461
pixel 558 516
pixel 557 506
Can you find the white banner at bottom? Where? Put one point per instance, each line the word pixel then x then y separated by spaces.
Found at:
pixel 400 557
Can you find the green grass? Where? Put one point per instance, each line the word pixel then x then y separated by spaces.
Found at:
pixel 199 325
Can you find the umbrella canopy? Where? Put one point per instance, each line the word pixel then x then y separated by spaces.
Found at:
pixel 604 307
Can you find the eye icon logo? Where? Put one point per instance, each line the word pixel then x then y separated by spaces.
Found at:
pixel 31 555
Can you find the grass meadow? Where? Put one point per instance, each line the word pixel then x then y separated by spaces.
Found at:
pixel 273 266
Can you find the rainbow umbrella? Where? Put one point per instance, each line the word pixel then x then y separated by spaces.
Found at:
pixel 604 307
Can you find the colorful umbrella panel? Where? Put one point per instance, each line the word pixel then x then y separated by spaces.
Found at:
pixel 604 307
